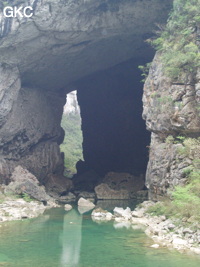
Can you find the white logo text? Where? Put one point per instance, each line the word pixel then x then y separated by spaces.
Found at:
pixel 13 12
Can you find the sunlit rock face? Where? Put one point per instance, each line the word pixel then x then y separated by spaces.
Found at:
pixel 71 106
pixel 41 59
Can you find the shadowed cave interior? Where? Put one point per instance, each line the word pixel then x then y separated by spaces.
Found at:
pixel 115 138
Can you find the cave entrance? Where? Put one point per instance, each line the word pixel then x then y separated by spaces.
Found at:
pixel 115 138
pixel 72 143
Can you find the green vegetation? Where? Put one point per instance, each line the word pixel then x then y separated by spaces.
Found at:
pixel 14 196
pixel 178 47
pixel 165 99
pixel 72 145
pixel 26 197
pixel 177 42
pixel 185 200
pixel 169 139
pixel 190 148
pixel 180 139
pixel 145 70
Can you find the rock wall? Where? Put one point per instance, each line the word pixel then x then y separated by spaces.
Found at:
pixel 30 128
pixel 169 109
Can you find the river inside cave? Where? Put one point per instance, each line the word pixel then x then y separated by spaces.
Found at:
pixel 69 239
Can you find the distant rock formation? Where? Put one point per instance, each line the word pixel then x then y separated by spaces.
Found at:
pixel 71 106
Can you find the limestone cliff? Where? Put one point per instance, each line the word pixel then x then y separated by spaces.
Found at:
pixel 71 106
pixel 171 111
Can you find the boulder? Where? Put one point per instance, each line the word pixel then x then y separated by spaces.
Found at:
pixel 69 197
pixel 58 185
pixel 101 215
pixel 138 213
pixel 171 226
pixel 103 191
pixel 20 175
pixel 125 213
pixel 179 242
pixel 85 203
pixel 112 203
pixel 83 209
pixel 188 231
pixel 24 182
pixel 68 207
pixel 125 181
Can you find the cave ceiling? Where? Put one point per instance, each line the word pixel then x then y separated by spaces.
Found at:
pixel 67 40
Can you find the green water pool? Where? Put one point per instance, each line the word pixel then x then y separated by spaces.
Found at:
pixel 66 239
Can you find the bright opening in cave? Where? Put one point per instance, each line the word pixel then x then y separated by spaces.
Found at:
pixel 72 143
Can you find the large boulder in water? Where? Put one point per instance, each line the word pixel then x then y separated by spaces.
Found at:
pixel 125 181
pixel 85 203
pixel 103 191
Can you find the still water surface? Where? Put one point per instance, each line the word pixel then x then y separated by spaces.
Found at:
pixel 61 239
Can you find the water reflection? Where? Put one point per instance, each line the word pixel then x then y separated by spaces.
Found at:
pixel 63 239
pixel 120 225
pixel 71 239
pixel 83 210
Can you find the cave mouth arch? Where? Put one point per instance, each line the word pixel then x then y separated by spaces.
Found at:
pixel 81 45
pixel 115 138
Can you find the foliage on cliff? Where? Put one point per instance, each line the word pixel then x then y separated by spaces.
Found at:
pixel 179 41
pixel 185 200
pixel 72 144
